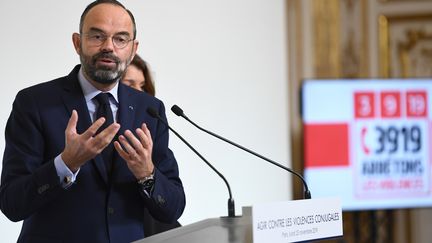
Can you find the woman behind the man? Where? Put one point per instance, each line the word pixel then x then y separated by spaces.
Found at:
pixel 138 76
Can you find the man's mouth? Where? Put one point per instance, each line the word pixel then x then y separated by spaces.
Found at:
pixel 106 62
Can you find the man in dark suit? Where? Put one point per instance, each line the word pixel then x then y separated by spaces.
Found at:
pixel 74 175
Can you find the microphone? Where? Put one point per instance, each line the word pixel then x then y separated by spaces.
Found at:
pixel 179 112
pixel 231 208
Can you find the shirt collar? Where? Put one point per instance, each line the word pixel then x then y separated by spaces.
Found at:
pixel 90 91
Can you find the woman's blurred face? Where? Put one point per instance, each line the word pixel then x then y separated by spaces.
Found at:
pixel 134 77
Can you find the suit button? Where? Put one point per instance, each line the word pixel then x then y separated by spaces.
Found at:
pixel 160 200
pixel 43 188
pixel 110 210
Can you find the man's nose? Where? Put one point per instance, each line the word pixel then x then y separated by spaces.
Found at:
pixel 108 45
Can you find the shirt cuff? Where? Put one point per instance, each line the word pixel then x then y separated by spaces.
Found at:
pixel 66 176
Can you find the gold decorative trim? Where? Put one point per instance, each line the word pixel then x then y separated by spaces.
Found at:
pixel 384 57
pixel 335 57
pixel 386 1
pixel 384 25
pixel 414 37
pixel 326 15
pixel 364 66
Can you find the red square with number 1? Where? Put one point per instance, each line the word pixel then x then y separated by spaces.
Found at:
pixel 416 103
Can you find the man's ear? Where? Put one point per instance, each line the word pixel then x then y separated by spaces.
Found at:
pixel 135 47
pixel 76 40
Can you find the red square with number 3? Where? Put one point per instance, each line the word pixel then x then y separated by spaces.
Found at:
pixel 364 103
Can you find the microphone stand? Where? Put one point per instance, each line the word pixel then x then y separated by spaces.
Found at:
pixel 179 112
pixel 231 206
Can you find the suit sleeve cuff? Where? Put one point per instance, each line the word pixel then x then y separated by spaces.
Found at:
pixel 66 176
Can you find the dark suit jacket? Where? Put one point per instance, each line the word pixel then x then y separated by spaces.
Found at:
pixel 153 226
pixel 94 209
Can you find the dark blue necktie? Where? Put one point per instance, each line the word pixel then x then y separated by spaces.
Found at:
pixel 104 110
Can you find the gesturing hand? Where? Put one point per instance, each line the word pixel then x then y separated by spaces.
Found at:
pixel 137 151
pixel 80 148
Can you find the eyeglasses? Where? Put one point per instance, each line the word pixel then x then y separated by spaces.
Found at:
pixel 97 39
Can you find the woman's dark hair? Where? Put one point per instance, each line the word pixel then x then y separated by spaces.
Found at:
pixel 148 86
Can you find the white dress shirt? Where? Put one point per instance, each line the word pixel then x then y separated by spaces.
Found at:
pixel 67 177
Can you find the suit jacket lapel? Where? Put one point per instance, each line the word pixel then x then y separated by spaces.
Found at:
pixel 125 117
pixel 73 99
pixel 126 111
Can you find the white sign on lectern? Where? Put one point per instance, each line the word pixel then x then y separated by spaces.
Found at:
pixel 298 220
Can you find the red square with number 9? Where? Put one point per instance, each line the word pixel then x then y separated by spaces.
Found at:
pixel 416 103
pixel 390 104
pixel 364 103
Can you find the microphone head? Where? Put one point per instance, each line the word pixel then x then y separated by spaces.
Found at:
pixel 177 110
pixel 152 112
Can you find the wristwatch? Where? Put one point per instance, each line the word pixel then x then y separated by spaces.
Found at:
pixel 147 183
